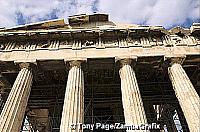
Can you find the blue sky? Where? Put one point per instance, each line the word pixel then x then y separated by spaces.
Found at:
pixel 167 13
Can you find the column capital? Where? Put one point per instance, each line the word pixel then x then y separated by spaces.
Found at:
pixel 126 60
pixel 175 59
pixel 24 65
pixel 74 62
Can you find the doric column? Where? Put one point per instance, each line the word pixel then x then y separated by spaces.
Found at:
pixel 186 95
pixel 131 98
pixel 13 112
pixel 73 108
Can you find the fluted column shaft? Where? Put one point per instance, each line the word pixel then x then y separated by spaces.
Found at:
pixel 73 108
pixel 13 112
pixel 132 102
pixel 186 95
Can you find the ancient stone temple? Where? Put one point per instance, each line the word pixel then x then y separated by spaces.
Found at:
pixel 58 76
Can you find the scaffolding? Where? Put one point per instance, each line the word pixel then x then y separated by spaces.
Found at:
pixel 103 102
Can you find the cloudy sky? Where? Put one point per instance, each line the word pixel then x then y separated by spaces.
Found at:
pixel 168 13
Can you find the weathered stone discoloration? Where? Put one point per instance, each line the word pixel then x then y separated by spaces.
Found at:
pixel 13 112
pixel 73 108
pixel 186 95
pixel 132 102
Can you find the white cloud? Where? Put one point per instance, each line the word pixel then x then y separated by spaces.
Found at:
pixel 6 14
pixel 72 7
pixel 151 12
pixel 31 10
